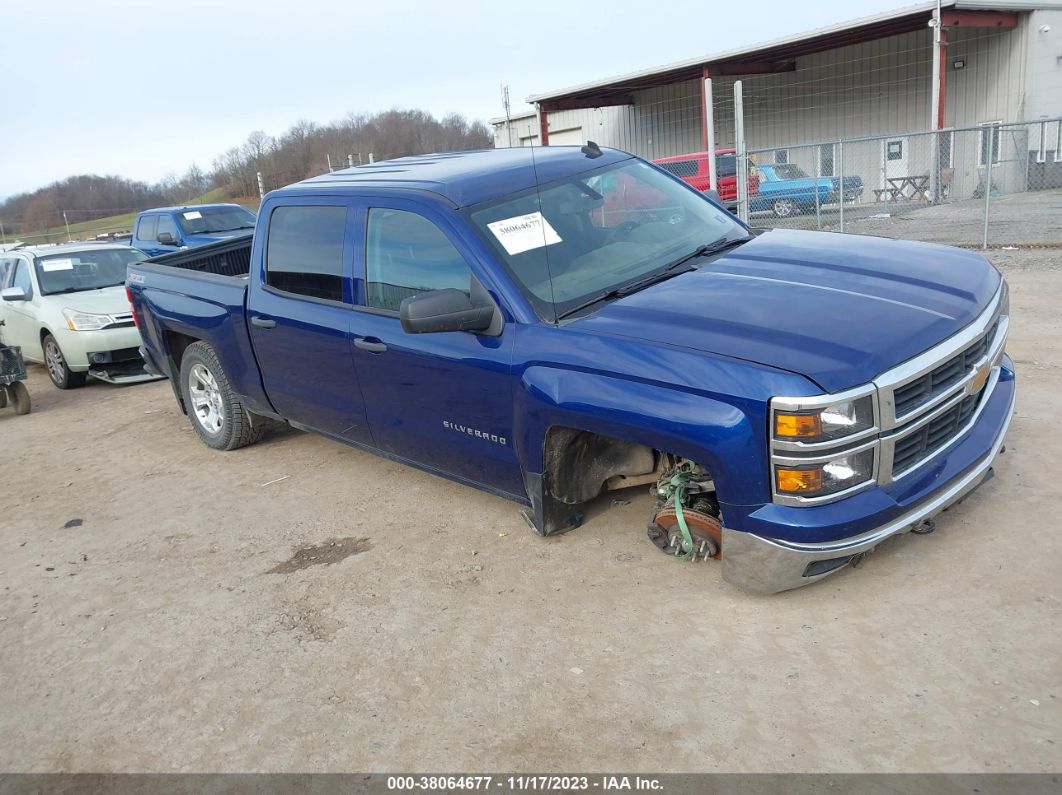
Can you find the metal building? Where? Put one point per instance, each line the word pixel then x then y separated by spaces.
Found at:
pixel 997 62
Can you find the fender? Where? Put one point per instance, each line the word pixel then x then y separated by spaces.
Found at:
pixel 724 437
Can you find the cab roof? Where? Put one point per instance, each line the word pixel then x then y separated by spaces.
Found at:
pixel 466 178
pixel 47 250
pixel 183 207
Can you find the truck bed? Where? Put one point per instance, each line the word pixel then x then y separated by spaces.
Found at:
pixel 230 257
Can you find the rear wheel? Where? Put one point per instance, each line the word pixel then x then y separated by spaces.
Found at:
pixel 20 397
pixel 214 408
pixel 61 375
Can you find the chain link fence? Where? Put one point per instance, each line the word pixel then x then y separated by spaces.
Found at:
pixel 997 184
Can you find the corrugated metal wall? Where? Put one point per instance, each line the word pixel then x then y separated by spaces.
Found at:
pixel 874 88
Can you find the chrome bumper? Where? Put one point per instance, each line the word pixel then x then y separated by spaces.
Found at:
pixel 763 565
pixel 137 378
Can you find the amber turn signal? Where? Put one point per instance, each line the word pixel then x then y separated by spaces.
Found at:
pixel 797 425
pixel 798 481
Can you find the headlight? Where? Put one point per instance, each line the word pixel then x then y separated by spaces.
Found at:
pixel 827 423
pixel 823 447
pixel 84 321
pixel 825 478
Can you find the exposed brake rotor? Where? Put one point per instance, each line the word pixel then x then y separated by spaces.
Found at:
pixel 705 530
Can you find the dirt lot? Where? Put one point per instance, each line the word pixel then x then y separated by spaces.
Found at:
pixel 156 613
pixel 1029 218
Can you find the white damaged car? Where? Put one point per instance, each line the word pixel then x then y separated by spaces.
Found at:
pixel 66 307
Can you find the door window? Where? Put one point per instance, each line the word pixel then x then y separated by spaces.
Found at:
pixel 167 224
pixel 22 277
pixel 406 254
pixel 145 229
pixel 304 251
pixel 725 165
pixel 826 160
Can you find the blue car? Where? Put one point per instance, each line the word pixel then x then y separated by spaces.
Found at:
pixel 785 189
pixel 167 229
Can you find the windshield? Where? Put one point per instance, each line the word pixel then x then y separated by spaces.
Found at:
pixel 204 220
pixel 789 171
pixel 573 239
pixel 76 271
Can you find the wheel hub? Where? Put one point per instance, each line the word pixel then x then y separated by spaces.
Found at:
pixel 205 395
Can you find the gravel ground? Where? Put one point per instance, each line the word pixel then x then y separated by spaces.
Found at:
pixel 302 606
pixel 1033 218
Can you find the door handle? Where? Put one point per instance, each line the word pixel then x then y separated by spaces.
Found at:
pixel 263 322
pixel 370 344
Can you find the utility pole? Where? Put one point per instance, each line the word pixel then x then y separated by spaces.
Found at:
pixel 508 117
pixel 328 159
pixel 67 223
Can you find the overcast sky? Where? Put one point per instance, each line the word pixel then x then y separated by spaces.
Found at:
pixel 141 89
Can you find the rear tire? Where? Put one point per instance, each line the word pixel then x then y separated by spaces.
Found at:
pixel 54 361
pixel 20 397
pixel 214 409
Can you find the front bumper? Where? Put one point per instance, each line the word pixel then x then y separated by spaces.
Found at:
pixel 761 564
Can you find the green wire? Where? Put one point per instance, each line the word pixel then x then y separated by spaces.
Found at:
pixel 678 482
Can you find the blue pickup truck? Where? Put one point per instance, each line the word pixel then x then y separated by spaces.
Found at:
pixel 553 323
pixel 167 229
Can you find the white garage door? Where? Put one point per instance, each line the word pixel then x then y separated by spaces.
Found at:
pixel 572 137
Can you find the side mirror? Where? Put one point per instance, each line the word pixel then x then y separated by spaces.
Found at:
pixel 444 310
pixel 166 239
pixel 14 294
pixel 713 195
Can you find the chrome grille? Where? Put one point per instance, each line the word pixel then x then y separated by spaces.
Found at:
pixel 916 447
pixel 914 394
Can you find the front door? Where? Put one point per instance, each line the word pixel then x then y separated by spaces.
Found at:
pixel 445 399
pixel 893 161
pixel 299 313
pixel 20 317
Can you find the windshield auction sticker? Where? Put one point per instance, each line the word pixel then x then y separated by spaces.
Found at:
pixel 50 265
pixel 193 215
pixel 524 232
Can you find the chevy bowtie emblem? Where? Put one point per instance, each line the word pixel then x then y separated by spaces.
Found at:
pixel 980 376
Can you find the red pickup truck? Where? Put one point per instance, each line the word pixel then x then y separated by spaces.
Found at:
pixel 693 169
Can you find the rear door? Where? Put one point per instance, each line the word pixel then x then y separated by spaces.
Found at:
pixel 299 315
pixel 443 400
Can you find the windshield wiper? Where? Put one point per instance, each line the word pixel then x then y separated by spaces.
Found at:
pixel 670 270
pixel 673 269
pixel 711 248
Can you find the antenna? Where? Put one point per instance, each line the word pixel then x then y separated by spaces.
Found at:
pixel 508 119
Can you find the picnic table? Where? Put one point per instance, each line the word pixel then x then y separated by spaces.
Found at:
pixel 914 187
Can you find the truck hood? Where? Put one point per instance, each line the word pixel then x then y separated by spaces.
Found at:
pixel 106 301
pixel 838 309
